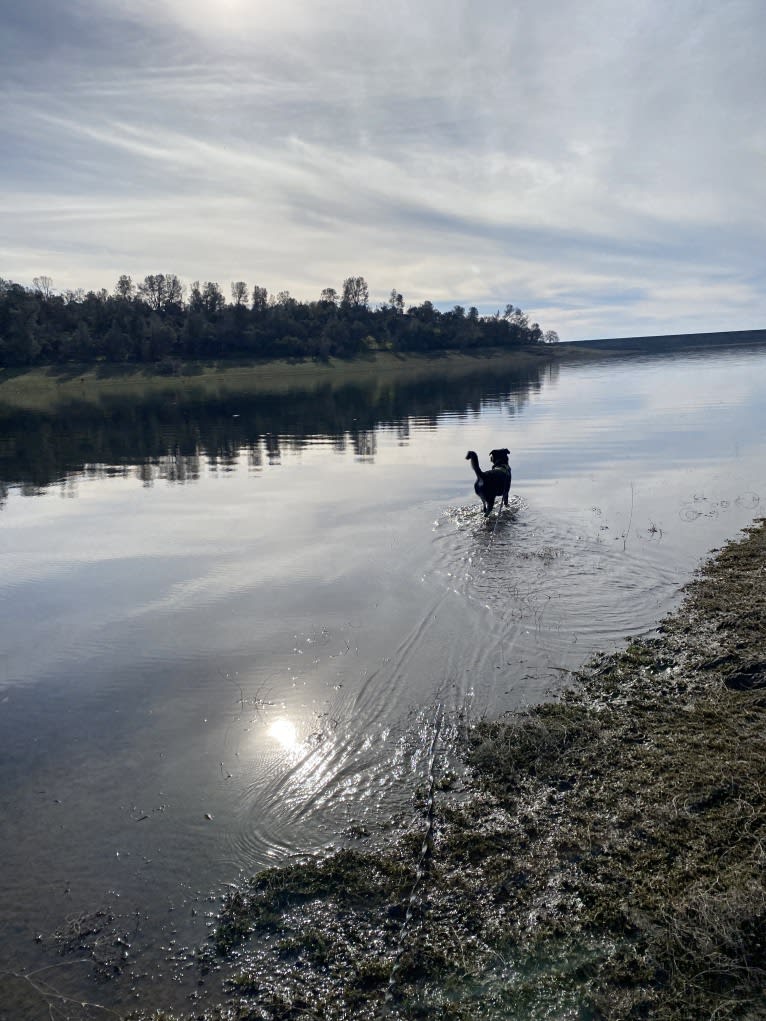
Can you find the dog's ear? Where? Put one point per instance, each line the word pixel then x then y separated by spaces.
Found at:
pixel 506 450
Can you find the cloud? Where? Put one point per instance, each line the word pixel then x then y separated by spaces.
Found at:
pixel 598 165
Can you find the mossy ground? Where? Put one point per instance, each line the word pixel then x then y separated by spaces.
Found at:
pixel 608 862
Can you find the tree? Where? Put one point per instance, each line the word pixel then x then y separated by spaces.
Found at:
pixel 356 293
pixel 160 291
pixel 82 346
pixel 195 298
pixel 283 299
pixel 43 286
pixel 260 299
pixel 239 292
pixel 174 290
pixel 426 312
pixel 20 344
pixel 157 340
pixel 213 300
pixel 550 337
pixel 396 302
pixel 116 343
pixel 124 288
pixel 194 333
pixel 152 290
pixel 329 296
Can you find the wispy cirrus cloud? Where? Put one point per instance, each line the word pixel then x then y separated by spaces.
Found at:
pixel 601 166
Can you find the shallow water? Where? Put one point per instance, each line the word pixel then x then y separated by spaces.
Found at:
pixel 228 626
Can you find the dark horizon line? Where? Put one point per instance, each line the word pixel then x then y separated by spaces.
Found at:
pixel 710 336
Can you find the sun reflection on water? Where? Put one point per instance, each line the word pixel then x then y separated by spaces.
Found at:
pixel 285 733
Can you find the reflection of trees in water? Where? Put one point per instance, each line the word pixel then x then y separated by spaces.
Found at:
pixel 173 467
pixel 273 453
pixel 365 444
pixel 172 436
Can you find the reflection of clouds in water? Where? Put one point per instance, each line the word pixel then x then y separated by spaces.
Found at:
pixel 544 589
pixel 611 414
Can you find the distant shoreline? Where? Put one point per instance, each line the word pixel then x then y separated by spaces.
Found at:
pixel 668 342
pixel 44 386
pixel 47 386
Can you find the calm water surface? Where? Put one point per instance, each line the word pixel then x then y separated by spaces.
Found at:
pixel 227 625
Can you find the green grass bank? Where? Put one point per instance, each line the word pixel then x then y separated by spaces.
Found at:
pixel 46 388
pixel 601 858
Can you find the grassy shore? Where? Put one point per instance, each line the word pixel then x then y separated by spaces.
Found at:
pixel 602 858
pixel 44 386
pixel 47 387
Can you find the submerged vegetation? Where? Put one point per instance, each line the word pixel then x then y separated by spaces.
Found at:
pixel 603 857
pixel 156 321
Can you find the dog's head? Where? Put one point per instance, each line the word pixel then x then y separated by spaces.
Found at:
pixel 499 456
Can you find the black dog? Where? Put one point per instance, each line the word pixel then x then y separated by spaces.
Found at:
pixel 493 483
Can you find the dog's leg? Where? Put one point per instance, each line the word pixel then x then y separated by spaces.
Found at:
pixel 507 489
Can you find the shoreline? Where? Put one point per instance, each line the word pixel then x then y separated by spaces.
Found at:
pixel 57 385
pixel 602 857
pixel 44 387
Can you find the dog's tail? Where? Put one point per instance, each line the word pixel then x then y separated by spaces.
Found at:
pixel 471 456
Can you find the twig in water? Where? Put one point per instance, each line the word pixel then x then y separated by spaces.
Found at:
pixel 49 994
pixel 630 520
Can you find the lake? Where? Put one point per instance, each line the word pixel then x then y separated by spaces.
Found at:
pixel 229 623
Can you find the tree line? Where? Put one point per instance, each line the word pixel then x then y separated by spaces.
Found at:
pixel 158 320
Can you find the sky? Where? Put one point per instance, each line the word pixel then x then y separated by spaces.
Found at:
pixel 601 165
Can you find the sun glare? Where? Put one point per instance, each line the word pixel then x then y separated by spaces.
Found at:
pixel 284 732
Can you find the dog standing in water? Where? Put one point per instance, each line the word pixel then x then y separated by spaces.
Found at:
pixel 494 483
